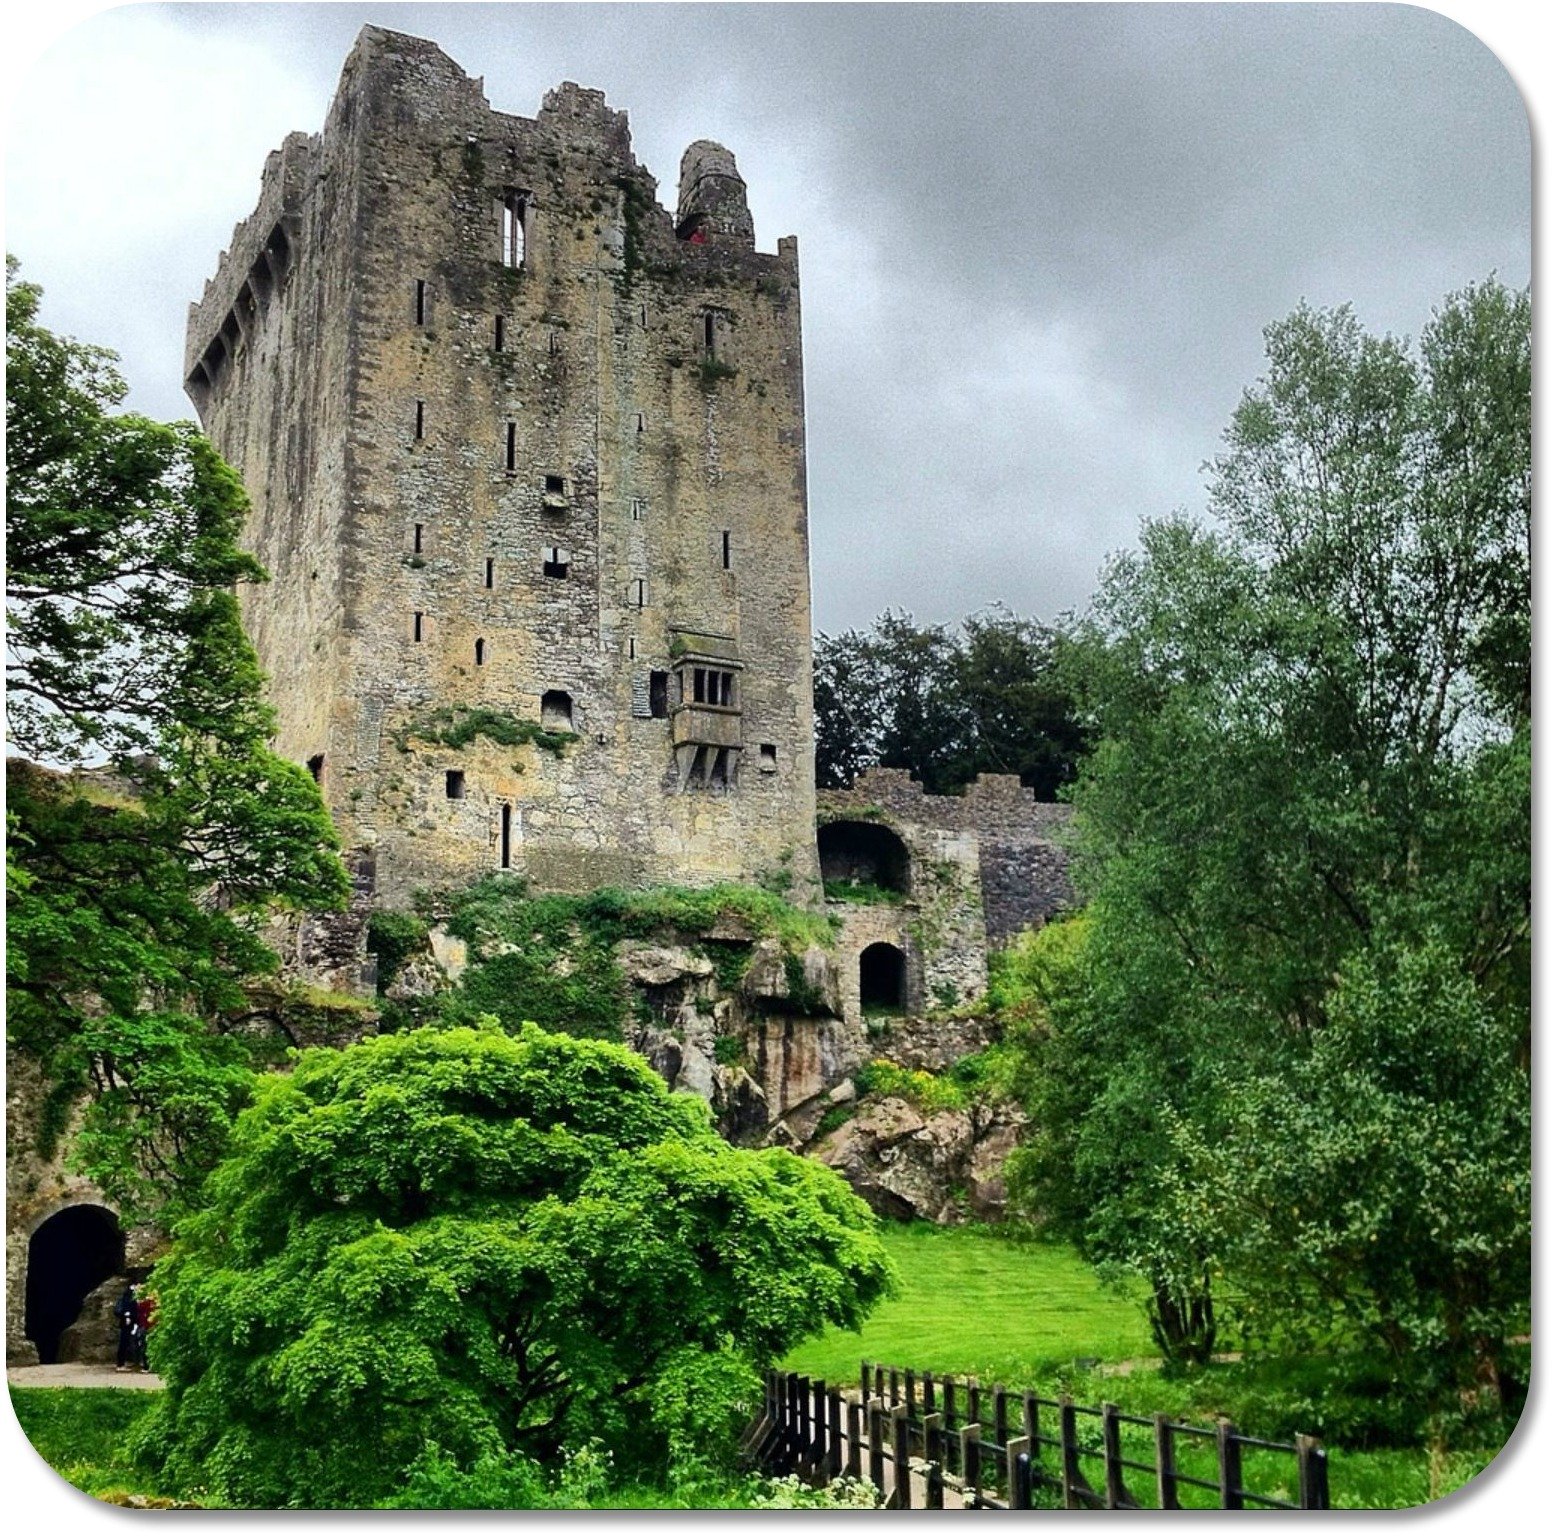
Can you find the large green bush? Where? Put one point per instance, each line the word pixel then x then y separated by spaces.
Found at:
pixel 492 1243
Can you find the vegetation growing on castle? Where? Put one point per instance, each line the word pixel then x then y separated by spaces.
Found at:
pixel 133 879
pixel 461 1243
pixel 552 959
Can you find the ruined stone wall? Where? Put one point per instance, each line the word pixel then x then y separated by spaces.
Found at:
pixel 640 410
pixel 1020 850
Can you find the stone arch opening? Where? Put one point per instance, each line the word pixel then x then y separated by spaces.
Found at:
pixel 881 979
pixel 68 1257
pixel 555 710
pixel 864 853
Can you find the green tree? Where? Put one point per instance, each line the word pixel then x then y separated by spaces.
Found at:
pixel 493 1243
pixel 947 704
pixel 137 876
pixel 1306 834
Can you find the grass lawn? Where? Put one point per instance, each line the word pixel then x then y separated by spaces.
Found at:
pixel 975 1303
pixel 1030 1314
pixel 80 1432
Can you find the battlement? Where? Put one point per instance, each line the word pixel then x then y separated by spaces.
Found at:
pixel 254 266
pixel 992 803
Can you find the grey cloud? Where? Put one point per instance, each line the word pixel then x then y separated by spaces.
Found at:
pixel 1039 243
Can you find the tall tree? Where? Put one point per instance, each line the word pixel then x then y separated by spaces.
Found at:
pixel 138 862
pixel 1306 835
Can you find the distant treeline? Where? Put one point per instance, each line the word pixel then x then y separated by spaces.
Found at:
pixel 946 701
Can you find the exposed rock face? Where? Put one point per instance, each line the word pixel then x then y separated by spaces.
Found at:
pixel 944 1167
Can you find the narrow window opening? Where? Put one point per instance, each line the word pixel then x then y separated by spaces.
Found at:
pixel 699 684
pixel 556 562
pixel 709 322
pixel 500 341
pixel 641 422
pixel 638 509
pixel 490 573
pixel 420 419
pixel 631 648
pixel 512 446
pixel 640 593
pixel 455 784
pixel 514 212
pixel 644 317
pixel 555 485
pixel 555 710
pixel 658 695
pixel 506 835
pixel 420 301
pixel 315 766
pixel 420 538
pixel 479 653
pixel 768 762
pixel 420 626
pixel 554 348
pixel 727 550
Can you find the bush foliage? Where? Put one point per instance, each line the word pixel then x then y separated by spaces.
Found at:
pixel 503 1243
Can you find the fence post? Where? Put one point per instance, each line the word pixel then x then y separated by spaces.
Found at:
pixel 1165 1462
pixel 1111 1439
pixel 933 1454
pixel 1313 1472
pixel 833 1438
pixel 876 1444
pixel 1068 1435
pixel 794 1423
pixel 900 1452
pixel 818 1413
pixel 878 1381
pixel 854 1439
pixel 866 1393
pixel 1019 1491
pixel 911 1393
pixel 928 1405
pixel 1000 1430
pixel 895 1386
pixel 1229 1467
pixel 972 1400
pixel 970 1462
pixel 1032 1416
pixel 949 1423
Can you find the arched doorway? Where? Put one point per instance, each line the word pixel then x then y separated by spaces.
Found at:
pixel 68 1257
pixel 864 853
pixel 881 979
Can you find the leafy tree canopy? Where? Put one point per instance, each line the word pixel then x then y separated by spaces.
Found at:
pixel 1293 1045
pixel 134 877
pixel 494 1242
pixel 947 704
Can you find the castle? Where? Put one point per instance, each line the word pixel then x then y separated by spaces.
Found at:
pixel 527 463
pixel 526 458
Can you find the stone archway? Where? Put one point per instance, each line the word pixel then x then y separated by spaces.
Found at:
pixel 69 1256
pixel 881 979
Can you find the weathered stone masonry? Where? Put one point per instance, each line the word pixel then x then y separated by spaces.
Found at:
pixel 517 441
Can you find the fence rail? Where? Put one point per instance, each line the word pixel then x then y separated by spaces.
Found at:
pixel 942 1441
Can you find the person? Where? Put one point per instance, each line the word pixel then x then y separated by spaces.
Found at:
pixel 127 1316
pixel 145 1321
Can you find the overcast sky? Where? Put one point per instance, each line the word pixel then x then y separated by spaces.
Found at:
pixel 1038 243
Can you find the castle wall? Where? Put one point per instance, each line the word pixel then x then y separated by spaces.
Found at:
pixel 640 413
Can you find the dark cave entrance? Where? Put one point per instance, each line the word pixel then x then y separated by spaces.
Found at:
pixel 68 1257
pixel 881 979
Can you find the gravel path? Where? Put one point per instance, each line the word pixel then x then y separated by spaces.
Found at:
pixel 79 1374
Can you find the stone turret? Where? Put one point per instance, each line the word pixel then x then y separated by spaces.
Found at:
pixel 713 202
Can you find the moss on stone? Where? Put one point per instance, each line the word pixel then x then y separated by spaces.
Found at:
pixel 456 725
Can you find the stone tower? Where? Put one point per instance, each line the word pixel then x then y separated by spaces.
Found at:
pixel 527 464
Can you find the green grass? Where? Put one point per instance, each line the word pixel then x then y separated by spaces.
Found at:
pixel 81 1433
pixel 976 1303
pixel 973 1302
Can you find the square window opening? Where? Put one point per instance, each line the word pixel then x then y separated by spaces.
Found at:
pixel 455 783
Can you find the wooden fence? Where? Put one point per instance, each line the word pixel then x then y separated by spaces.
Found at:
pixel 939 1442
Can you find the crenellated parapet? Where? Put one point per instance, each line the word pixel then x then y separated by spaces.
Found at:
pixel 253 268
